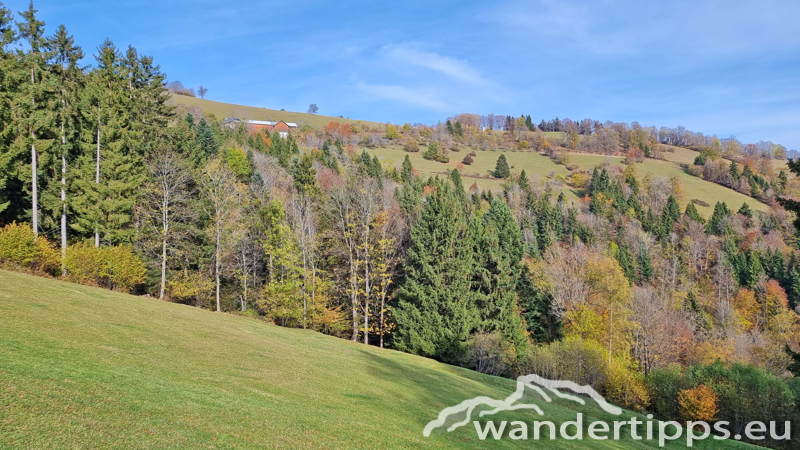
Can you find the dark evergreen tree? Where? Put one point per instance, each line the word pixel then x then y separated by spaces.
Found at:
pixel 645 264
pixel 407 174
pixel 734 171
pixel 499 254
pixel 692 213
pixel 436 308
pixel 745 211
pixel 715 224
pixel 501 169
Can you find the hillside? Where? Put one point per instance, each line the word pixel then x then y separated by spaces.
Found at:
pixel 85 367
pixel 223 110
pixel 542 166
pixel 533 163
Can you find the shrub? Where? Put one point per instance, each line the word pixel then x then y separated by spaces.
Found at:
pixel 488 355
pixel 473 154
pixel 116 268
pixel 391 131
pixel 18 245
pixel 468 160
pixel 21 248
pixel 411 146
pixel 699 403
pixel 85 264
pixel 125 269
pixel 48 257
pixel 523 144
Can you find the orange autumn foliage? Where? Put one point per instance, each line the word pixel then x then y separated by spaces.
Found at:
pixel 699 403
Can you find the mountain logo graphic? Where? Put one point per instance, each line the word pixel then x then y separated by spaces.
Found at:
pixel 542 386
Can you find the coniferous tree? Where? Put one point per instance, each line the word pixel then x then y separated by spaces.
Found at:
pixel 734 171
pixel 501 169
pixel 645 264
pixel 70 81
pixel 10 154
pixel 499 253
pixel 715 224
pixel 32 108
pixel 407 173
pixel 436 309
pixel 691 212
pixel 745 211
pixel 207 142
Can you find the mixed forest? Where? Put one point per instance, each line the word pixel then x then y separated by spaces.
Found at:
pixel 105 181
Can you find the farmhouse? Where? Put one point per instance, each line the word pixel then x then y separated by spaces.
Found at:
pixel 281 127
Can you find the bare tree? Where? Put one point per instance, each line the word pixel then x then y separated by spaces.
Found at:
pixel 303 218
pixel 224 195
pixel 312 108
pixel 166 202
pixel 201 91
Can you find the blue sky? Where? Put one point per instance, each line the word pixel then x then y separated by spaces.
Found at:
pixel 720 67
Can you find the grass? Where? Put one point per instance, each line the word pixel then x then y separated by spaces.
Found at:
pixel 223 110
pixel 542 166
pixel 83 367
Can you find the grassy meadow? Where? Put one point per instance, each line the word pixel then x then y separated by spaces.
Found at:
pixel 542 166
pixel 223 110
pixel 83 367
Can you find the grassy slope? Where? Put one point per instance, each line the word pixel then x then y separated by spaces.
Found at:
pixel 536 164
pixel 83 367
pixel 223 110
pixel 533 163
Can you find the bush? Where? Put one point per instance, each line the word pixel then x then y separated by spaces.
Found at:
pixel 18 245
pixel 411 146
pixel 468 160
pixel 523 145
pixel 125 269
pixel 116 268
pixel 488 355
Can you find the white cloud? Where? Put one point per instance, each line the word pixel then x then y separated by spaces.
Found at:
pixel 403 94
pixel 451 67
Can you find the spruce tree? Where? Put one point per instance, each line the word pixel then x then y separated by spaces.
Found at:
pixel 499 253
pixel 734 171
pixel 10 154
pixel 501 169
pixel 691 212
pixel 70 80
pixel 33 107
pixel 745 211
pixel 436 308
pixel 407 173
pixel 645 264
pixel 715 224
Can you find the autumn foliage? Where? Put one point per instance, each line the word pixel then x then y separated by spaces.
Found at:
pixel 698 404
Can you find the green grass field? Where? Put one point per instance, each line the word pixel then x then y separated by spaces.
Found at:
pixel 223 110
pixel 542 166
pixel 83 367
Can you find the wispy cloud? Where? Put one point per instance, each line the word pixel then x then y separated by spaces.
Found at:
pixel 453 68
pixel 402 94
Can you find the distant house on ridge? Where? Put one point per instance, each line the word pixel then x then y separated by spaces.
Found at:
pixel 281 127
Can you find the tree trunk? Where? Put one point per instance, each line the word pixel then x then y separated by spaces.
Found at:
pixel 163 267
pixel 63 204
pixel 34 188
pixel 97 175
pixel 216 265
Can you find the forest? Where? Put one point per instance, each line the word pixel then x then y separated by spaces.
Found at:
pixel 106 182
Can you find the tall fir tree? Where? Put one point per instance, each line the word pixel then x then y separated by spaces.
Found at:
pixel 70 80
pixel 33 107
pixel 436 309
pixel 501 169
pixel 499 252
